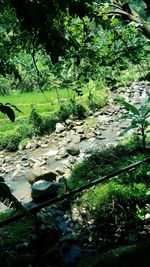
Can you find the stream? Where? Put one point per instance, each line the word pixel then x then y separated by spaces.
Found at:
pixel 102 131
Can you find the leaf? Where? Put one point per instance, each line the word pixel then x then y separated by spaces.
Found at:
pixel 39 65
pixel 7 110
pixel 8 199
pixel 123 117
pixel 128 106
pixel 20 68
pixel 105 17
pixel 15 107
pixel 115 21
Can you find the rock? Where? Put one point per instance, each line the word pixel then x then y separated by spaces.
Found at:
pixel 2 169
pixel 90 135
pixel 78 123
pixel 1 162
pixel 69 122
pixel 43 189
pixel 103 118
pixel 44 145
pixel 59 127
pixel 72 137
pixel 73 150
pixel 9 159
pixel 18 174
pixel 97 132
pixel 41 173
pixel 39 163
pixel 25 164
pixel 79 129
pixel 31 145
pixel 60 171
pixel 62 153
pixel 96 114
pixel 24 158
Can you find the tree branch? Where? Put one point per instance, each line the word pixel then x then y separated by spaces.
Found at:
pixel 125 11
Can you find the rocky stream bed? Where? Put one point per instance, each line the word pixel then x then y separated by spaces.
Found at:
pixel 58 152
pixel 51 158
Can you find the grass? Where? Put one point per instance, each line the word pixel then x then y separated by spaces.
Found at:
pixel 101 162
pixel 44 104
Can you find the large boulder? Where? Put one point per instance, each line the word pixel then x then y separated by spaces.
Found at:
pixel 41 173
pixel 43 189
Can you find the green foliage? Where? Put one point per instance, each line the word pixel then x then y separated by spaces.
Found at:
pixel 36 119
pixel 49 123
pixel 25 130
pixel 109 206
pixel 41 124
pixel 97 94
pixel 139 117
pixel 77 109
pixel 18 231
pixel 101 162
pixel 10 140
pixel 64 112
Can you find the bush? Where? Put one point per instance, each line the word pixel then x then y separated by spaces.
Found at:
pixel 64 113
pixel 25 130
pixel 10 141
pixel 100 198
pixel 99 163
pixel 49 123
pixel 77 110
pixel 43 124
pixel 36 119
pixel 113 206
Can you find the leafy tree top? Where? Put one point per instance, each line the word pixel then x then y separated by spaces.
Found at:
pixel 45 20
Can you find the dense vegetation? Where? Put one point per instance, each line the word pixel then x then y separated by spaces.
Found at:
pixel 60 60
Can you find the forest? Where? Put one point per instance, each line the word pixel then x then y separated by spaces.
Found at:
pixel 74 133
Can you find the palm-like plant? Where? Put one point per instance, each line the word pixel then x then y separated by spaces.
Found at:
pixel 138 117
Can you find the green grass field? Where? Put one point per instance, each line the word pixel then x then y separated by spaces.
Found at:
pixel 45 113
pixel 46 102
pixel 43 103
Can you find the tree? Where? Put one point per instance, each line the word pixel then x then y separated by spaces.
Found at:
pixel 28 24
pixel 123 9
pixel 45 21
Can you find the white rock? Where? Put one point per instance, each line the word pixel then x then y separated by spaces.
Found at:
pixel 59 127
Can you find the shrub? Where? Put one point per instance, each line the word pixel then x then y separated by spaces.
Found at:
pixel 10 141
pixel 25 130
pixel 99 163
pixel 77 110
pixel 64 113
pixel 36 119
pixel 43 124
pixel 49 123
pixel 113 206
